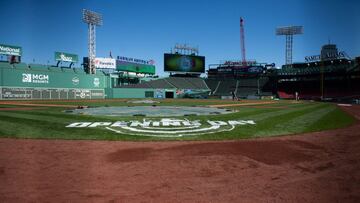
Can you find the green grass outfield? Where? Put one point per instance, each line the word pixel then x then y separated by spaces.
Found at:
pixel 279 118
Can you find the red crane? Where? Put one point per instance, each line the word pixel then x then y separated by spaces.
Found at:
pixel 242 42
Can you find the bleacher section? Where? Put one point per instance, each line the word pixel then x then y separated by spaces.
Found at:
pixel 244 87
pixel 171 83
pixel 244 92
pixel 180 83
pixel 199 83
pixel 225 87
pixel 212 84
pixel 337 79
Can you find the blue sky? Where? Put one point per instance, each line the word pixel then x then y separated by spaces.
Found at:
pixel 146 29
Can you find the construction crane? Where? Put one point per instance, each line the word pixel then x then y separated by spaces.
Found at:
pixel 242 42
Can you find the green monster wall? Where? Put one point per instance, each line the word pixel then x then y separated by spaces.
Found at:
pixel 34 81
pixel 21 81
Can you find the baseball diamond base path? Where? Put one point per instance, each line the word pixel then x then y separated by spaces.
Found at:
pixel 315 167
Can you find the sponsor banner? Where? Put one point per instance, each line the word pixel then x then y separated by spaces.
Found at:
pixel 10 50
pixel 35 78
pixel 66 57
pixel 134 67
pixel 136 61
pixel 165 127
pixel 234 63
pixel 108 63
pixel 328 56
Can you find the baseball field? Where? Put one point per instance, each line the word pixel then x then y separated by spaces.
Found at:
pixel 257 151
pixel 52 119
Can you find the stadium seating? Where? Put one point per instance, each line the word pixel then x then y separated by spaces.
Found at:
pixel 171 83
pixel 180 83
pixel 246 91
pixel 225 88
pixel 187 83
pixel 212 84
pixel 197 82
pixel 162 83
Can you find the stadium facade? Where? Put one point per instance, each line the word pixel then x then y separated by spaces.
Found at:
pixel 330 75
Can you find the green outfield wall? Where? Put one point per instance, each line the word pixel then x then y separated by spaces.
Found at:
pixel 36 81
pixel 21 81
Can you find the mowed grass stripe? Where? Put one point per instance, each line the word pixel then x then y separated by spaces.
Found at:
pixel 48 117
pixel 332 120
pixel 26 127
pixel 47 130
pixel 58 116
pixel 297 121
pixel 272 113
pixel 248 112
pixel 266 123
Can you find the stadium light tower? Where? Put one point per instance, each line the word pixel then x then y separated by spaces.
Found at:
pixel 92 19
pixel 289 32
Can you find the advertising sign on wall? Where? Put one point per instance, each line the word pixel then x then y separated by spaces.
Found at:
pixel 66 57
pixel 10 50
pixel 328 56
pixel 108 63
pixel 135 60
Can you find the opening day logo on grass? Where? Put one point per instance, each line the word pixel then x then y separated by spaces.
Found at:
pixel 166 127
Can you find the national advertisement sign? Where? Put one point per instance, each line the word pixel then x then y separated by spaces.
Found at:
pixel 10 50
pixel 106 63
pixel 66 57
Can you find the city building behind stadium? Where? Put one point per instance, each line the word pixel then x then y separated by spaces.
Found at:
pixel 328 75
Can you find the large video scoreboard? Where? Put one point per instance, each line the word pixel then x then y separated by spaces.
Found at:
pixel 184 63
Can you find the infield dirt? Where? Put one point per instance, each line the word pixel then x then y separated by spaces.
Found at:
pixel 313 167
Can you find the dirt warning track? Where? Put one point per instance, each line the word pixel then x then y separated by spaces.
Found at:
pixel 315 167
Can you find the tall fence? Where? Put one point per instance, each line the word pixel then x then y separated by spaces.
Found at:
pixel 23 81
